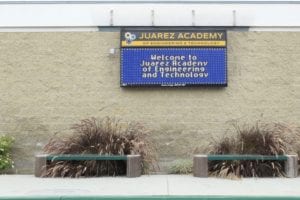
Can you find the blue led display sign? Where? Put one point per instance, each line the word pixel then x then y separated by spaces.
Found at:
pixel 173 65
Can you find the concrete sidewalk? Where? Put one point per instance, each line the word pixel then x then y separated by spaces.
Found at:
pixel 147 186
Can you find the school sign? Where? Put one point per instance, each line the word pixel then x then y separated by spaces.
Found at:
pixel 173 58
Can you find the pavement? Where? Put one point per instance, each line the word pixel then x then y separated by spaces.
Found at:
pixel 26 186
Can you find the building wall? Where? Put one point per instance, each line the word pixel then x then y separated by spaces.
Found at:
pixel 52 80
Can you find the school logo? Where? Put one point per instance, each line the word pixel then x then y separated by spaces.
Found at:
pixel 129 37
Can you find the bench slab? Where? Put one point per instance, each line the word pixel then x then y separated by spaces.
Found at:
pixel 200 162
pixel 133 162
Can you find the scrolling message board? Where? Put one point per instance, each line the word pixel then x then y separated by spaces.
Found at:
pixel 173 58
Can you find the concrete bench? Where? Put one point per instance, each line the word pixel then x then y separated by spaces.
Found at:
pixel 201 162
pixel 133 162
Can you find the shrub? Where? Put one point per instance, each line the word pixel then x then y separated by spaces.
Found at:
pixel 181 167
pixel 6 161
pixel 100 136
pixel 261 139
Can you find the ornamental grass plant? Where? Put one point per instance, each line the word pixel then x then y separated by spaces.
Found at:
pixel 181 166
pixel 105 137
pixel 260 139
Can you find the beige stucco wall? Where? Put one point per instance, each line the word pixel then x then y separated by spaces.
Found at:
pixel 49 81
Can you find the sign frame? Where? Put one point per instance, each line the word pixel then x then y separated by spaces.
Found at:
pixel 199 37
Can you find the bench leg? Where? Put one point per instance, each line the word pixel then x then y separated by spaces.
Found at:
pixel 134 168
pixel 40 165
pixel 291 166
pixel 200 163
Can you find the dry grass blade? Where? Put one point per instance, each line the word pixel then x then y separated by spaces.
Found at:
pixel 105 137
pixel 260 139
